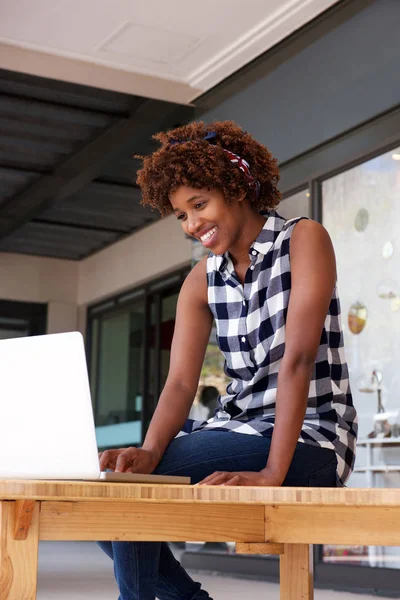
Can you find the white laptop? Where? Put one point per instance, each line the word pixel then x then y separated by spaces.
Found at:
pixel 46 419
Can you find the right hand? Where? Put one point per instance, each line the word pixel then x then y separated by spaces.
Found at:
pixel 128 460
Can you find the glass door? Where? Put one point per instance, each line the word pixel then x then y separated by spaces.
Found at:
pixel 361 212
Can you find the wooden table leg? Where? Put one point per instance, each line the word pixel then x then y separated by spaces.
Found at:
pixel 296 572
pixel 19 539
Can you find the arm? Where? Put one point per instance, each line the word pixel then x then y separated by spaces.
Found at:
pixel 191 335
pixel 192 331
pixel 313 276
pixel 313 273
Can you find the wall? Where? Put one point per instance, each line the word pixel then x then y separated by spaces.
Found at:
pixel 145 255
pixel 47 280
pixel 68 286
pixel 345 78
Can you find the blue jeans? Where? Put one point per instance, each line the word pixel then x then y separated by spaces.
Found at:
pixel 145 570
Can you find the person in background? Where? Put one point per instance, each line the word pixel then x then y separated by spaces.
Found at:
pixel 287 417
pixel 207 405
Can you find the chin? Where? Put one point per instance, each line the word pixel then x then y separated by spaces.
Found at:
pixel 218 250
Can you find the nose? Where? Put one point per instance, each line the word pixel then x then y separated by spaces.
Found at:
pixel 193 224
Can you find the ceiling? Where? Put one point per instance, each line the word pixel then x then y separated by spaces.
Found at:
pixel 80 95
pixel 173 50
pixel 66 167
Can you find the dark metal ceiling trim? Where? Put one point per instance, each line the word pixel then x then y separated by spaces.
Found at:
pixel 62 93
pixel 80 227
pixel 44 104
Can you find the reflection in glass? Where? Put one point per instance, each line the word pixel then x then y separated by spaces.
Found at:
pixel 387 250
pixel 387 289
pixel 362 219
pixel 357 317
pixel 120 367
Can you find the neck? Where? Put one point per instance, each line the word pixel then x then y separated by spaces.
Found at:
pixel 253 224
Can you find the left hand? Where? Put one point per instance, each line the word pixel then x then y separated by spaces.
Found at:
pixel 250 478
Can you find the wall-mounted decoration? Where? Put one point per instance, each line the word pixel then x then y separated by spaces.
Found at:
pixel 357 317
pixel 395 304
pixel 361 220
pixel 387 289
pixel 387 250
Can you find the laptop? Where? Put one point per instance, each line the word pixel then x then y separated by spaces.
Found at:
pixel 46 419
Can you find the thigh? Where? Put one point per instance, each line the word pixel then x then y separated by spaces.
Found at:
pixel 312 466
pixel 199 454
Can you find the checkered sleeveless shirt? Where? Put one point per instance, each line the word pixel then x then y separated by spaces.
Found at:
pixel 250 322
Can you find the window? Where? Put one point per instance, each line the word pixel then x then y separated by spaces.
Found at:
pixel 361 211
pixel 130 340
pixel 295 205
pixel 19 319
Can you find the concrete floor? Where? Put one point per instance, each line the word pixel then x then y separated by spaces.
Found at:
pixel 80 571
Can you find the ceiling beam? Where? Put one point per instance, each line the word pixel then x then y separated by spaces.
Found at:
pixel 86 164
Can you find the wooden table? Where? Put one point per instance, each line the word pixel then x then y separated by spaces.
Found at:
pixel 283 521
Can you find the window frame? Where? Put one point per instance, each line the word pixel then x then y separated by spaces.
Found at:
pixel 33 316
pixel 120 304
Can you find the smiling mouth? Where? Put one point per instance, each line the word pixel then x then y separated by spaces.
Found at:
pixel 207 236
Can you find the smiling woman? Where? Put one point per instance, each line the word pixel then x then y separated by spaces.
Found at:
pixel 286 417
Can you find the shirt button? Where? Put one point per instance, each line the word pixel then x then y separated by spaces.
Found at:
pixel 254 252
pixel 252 267
pixel 243 339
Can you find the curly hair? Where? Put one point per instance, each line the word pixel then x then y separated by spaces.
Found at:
pixel 185 158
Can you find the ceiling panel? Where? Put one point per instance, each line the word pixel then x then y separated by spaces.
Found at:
pixel 13 181
pixel 56 240
pixel 66 166
pixel 103 205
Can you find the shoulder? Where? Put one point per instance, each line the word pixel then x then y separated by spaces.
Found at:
pixel 195 284
pixel 311 251
pixel 309 235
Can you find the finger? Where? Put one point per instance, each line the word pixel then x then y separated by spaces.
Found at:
pixel 235 480
pixel 210 477
pixel 121 463
pixel 125 459
pixel 217 479
pixel 105 460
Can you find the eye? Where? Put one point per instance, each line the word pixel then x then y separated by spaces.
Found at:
pixel 181 217
pixel 199 205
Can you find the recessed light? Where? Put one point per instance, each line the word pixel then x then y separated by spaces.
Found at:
pixel 308 193
pixel 396 156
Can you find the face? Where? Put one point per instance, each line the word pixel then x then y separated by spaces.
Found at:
pixel 206 216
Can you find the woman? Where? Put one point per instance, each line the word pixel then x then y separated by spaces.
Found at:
pixel 287 417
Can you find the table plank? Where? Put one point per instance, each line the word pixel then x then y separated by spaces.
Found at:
pixel 364 525
pixel 150 521
pixel 102 491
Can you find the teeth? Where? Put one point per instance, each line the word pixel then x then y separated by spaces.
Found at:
pixel 207 235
